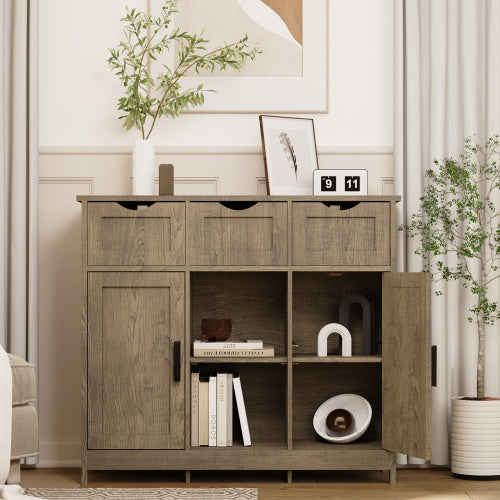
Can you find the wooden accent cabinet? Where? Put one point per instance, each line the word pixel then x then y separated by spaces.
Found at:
pixel 279 267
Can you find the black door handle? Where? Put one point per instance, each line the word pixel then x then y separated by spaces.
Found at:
pixel 177 361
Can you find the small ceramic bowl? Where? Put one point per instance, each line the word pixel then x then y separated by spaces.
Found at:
pixel 216 330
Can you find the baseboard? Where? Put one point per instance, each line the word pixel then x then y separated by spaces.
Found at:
pixel 59 454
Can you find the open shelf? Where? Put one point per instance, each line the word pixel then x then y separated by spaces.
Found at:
pixel 264 392
pixel 312 358
pixel 233 360
pixel 314 384
pixel 255 302
pixel 316 301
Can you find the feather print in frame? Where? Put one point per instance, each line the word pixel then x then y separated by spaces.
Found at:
pixel 289 151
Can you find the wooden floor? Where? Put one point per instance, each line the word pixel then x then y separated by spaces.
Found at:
pixel 414 484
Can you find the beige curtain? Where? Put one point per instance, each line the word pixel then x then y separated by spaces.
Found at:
pixel 19 177
pixel 446 87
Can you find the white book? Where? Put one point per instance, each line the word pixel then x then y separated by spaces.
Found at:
pixel 229 404
pixel 195 412
pixel 249 344
pixel 212 411
pixel 221 410
pixel 203 412
pixel 240 403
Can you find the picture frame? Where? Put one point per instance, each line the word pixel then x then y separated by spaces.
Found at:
pixel 265 91
pixel 290 154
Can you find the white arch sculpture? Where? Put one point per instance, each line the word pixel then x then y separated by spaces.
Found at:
pixel 325 332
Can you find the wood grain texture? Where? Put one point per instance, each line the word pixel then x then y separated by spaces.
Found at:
pixel 406 364
pixel 256 236
pixel 337 359
pixel 255 302
pixel 269 456
pixel 316 301
pixel 84 341
pixel 359 236
pixel 199 198
pixel 153 236
pixel 277 300
pixel 133 320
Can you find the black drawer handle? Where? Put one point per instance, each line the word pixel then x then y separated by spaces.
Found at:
pixel 344 205
pixel 177 361
pixel 132 205
pixel 238 205
pixel 434 366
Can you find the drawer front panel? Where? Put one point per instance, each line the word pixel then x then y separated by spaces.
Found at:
pixel 148 236
pixel 238 236
pixel 328 236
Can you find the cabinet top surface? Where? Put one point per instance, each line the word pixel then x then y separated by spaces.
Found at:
pixel 238 198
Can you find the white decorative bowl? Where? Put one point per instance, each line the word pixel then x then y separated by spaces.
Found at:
pixel 357 406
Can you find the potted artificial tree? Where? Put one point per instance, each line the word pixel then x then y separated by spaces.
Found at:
pixel 152 89
pixel 459 217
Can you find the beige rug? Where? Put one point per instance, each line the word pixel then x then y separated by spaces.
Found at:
pixel 143 493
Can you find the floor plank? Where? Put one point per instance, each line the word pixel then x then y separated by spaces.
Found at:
pixel 415 484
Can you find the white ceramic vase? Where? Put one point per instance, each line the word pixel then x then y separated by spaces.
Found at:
pixel 143 168
pixel 475 437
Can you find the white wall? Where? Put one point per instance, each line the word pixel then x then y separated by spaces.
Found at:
pixel 84 150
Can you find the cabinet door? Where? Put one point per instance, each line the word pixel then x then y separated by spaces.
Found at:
pixel 406 364
pixel 134 319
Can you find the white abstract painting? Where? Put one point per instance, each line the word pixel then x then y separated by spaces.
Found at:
pixel 275 25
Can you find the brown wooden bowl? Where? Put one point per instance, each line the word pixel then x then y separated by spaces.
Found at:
pixel 216 330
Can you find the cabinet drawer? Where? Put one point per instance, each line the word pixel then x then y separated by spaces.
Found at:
pixel 136 235
pixel 332 236
pixel 238 234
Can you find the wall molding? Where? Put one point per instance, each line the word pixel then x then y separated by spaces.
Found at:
pixel 207 150
pixel 89 181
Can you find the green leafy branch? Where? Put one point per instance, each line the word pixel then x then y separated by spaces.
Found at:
pixel 147 96
pixel 458 216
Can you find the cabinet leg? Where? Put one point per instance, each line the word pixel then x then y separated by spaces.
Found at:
pixel 85 476
pixel 188 476
pixel 392 474
pixel 289 476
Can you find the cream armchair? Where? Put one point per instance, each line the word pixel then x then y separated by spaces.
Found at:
pixel 24 417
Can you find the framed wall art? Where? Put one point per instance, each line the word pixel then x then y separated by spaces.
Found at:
pixel 291 74
pixel 290 154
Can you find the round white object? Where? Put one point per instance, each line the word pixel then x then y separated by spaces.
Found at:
pixel 357 406
pixel 475 437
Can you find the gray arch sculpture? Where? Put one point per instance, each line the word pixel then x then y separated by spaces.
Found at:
pixel 368 319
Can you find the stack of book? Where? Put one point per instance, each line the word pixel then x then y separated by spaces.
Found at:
pixel 250 348
pixel 212 410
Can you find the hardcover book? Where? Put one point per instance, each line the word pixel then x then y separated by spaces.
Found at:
pixel 267 352
pixel 240 403
pixel 195 410
pixel 221 409
pixel 203 413
pixel 229 403
pixel 249 344
pixel 212 410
